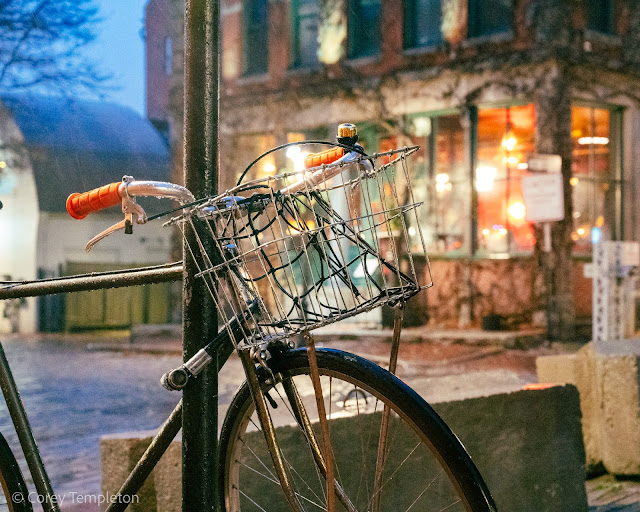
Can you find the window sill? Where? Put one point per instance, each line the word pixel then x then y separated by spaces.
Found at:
pixel 366 60
pixel 488 39
pixel 422 50
pixel 253 79
pixel 601 37
pixel 303 70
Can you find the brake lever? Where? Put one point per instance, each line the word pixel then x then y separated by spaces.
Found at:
pixel 133 213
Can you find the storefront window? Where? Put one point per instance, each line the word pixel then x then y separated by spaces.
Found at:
pixel 252 147
pixel 595 182
pixel 505 137
pixel 440 180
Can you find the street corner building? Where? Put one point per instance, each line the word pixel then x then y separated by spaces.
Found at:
pixel 480 85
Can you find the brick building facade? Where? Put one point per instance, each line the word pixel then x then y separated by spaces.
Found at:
pixel 479 84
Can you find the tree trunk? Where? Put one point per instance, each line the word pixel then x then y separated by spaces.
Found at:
pixel 553 136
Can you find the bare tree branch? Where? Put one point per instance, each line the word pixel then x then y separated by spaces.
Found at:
pixel 41 43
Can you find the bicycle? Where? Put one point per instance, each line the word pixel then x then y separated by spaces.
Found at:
pixel 311 428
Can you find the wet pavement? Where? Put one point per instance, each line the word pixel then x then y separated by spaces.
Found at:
pixel 73 396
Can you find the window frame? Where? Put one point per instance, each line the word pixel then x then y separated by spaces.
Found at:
pixel 473 26
pixel 295 61
pixel 354 31
pixel 248 32
pixel 616 161
pixel 611 28
pixel 410 33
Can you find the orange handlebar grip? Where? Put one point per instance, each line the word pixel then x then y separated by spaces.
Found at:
pixel 81 205
pixel 325 157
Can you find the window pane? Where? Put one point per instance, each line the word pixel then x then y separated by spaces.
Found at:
pixel 364 33
pixel 599 15
pixel 256 50
pixel 253 146
pixel 487 17
pixel 440 180
pixel 505 136
pixel 423 22
pixel 305 19
pixel 593 181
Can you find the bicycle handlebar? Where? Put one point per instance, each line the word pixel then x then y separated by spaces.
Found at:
pixel 328 156
pixel 81 205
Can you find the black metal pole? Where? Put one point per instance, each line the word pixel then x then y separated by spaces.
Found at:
pixel 94 281
pixel 200 405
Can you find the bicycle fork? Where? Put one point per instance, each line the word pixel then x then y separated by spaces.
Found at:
pixel 322 458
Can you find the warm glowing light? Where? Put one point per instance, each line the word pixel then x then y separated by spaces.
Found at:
pixel 509 141
pixel 574 181
pixel 486 231
pixel 602 141
pixel 523 166
pixel 442 182
pixel 269 168
pixel 511 160
pixel 600 221
pixel 517 210
pixel 580 231
pixel 297 156
pixel 574 237
pixel 3 164
pixel 502 231
pixel 293 152
pixel 412 231
pixel 422 126
pixel 485 176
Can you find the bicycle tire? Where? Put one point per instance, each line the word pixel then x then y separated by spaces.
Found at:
pixel 419 443
pixel 15 495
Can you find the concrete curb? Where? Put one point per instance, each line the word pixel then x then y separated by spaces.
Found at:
pixel 527 444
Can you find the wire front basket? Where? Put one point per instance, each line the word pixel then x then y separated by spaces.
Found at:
pixel 300 250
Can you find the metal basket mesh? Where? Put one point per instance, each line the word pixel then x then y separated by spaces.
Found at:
pixel 300 250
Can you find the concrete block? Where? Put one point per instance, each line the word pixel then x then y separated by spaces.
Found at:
pixel 119 454
pixel 606 375
pixel 557 369
pixel 528 445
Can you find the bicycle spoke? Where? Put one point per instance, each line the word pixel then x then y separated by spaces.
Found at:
pixel 387 466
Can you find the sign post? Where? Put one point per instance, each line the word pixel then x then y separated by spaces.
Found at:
pixel 543 194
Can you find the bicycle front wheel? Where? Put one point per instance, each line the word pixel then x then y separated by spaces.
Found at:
pixel 391 452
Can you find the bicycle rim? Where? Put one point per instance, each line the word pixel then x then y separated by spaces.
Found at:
pixel 14 495
pixel 420 467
